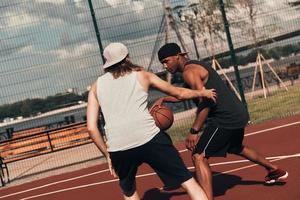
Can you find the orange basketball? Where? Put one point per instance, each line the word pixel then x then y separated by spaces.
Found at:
pixel 163 117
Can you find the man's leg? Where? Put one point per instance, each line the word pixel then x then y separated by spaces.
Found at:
pixel 203 173
pixel 257 158
pixel 194 190
pixel 135 196
pixel 164 158
pixel 274 175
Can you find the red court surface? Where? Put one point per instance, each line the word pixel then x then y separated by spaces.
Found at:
pixel 234 178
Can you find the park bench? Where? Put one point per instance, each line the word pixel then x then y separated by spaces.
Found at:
pixel 293 72
pixel 40 143
pixel 290 72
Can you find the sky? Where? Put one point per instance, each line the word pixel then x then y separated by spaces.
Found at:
pixel 48 46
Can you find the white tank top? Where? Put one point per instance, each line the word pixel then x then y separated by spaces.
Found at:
pixel 123 101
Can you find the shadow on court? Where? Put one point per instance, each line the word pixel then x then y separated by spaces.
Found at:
pixel 157 194
pixel 224 182
pixel 221 183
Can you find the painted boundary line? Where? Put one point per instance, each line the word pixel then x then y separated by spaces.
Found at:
pixel 54 183
pixel 106 170
pixel 272 159
pixel 262 131
pixel 274 128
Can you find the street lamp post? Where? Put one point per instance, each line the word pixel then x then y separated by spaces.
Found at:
pixel 195 44
pixel 189 19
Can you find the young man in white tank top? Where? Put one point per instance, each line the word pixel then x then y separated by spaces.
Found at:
pixel 132 138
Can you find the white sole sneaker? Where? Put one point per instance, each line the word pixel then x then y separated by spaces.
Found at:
pixel 281 178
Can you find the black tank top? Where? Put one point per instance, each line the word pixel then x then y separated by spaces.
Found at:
pixel 228 112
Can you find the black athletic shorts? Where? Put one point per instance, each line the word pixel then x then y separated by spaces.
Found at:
pixel 217 142
pixel 160 154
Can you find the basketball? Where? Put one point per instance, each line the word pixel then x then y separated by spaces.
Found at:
pixel 163 116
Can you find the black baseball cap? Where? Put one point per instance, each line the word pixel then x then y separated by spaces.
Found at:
pixel 169 49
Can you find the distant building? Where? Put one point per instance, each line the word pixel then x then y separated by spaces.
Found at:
pixel 50 119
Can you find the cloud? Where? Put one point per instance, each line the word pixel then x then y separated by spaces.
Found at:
pixel 8 48
pixel 116 3
pixel 128 19
pixel 58 2
pixel 67 38
pixel 62 11
pixel 15 20
pixel 27 49
pixel 75 51
pixel 138 6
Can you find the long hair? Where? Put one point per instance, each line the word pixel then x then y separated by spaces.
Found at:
pixel 122 68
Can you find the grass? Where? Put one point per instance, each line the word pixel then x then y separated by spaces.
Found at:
pixel 277 105
pixel 179 129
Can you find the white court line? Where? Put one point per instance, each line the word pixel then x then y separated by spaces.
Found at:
pixel 271 129
pixel 153 173
pixel 83 186
pixel 54 183
pixel 181 151
pixel 242 161
pixel 268 158
pixel 246 167
pixel 261 131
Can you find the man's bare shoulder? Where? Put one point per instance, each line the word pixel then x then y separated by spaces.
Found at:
pixel 193 70
pixel 143 74
pixel 194 67
pixel 194 74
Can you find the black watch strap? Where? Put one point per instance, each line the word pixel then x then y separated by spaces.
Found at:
pixel 194 132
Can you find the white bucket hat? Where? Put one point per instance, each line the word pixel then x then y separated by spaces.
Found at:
pixel 114 53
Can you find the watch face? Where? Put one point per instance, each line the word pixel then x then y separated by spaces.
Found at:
pixel 193 131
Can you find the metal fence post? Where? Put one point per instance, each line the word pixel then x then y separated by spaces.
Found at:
pixel 96 29
pixel 49 140
pixel 232 53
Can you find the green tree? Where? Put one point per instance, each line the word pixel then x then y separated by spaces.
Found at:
pixel 26 108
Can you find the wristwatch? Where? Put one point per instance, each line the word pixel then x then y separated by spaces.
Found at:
pixel 194 132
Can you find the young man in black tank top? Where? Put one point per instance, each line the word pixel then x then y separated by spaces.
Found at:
pixel 226 119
